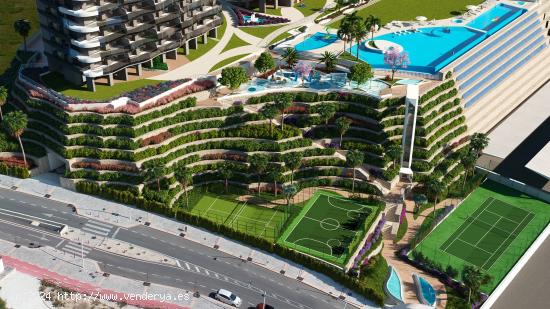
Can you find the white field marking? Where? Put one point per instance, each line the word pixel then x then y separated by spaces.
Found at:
pixel 474 246
pixel 210 206
pixel 462 232
pixel 267 224
pixel 488 230
pixel 238 213
pixel 307 238
pixel 298 223
pixel 322 222
pixel 506 240
pixel 341 199
pixel 494 213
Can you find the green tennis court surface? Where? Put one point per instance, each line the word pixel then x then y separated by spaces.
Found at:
pixel 328 226
pixel 251 219
pixel 491 229
pixel 486 234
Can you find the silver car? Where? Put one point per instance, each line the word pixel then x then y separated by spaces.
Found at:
pixel 227 297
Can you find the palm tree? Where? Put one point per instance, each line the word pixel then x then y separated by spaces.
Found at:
pixel 185 178
pixel 155 173
pixel 329 60
pixel 394 151
pixel 15 124
pixel 478 142
pixel 326 111
pixel 340 4
pixel 3 98
pixel 270 112
pixel 372 23
pixel 258 165
pixel 344 31
pixel 282 102
pixel 359 34
pixel 275 175
pixel 226 173
pixel 290 55
pixel 293 160
pixel 23 27
pixel 354 159
pixel 342 124
pixel 435 188
pixel 289 192
pixel 469 162
pixel 474 278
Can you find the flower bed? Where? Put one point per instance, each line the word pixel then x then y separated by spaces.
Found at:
pixel 106 167
pixel 17 161
pixel 265 19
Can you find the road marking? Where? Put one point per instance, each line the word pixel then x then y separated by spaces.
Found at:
pixel 95 231
pixel 187 265
pixel 116 232
pixel 206 271
pixel 178 263
pixel 198 270
pixel 100 223
pixel 59 244
pixel 97 227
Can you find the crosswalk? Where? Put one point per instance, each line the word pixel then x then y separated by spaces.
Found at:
pixel 97 228
pixel 76 249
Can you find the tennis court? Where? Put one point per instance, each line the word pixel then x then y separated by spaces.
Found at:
pixel 328 226
pixel 251 219
pixel 491 229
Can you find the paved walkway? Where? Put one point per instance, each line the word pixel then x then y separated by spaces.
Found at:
pixel 405 270
pixel 102 210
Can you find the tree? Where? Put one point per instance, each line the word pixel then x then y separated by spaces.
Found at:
pixel 3 98
pixel 154 173
pixel 226 173
pixel 289 192
pixel 394 151
pixel 276 175
pixel 359 33
pixel 3 304
pixel 185 178
pixel 23 27
pixel 15 124
pixel 354 159
pixel 233 77
pixel 264 63
pixel 474 278
pixel 282 102
pixel 360 73
pixel 329 60
pixel 270 112
pixel 342 124
pixel 258 165
pixel 396 60
pixel 290 55
pixel 469 162
pixel 326 111
pixel 372 23
pixel 293 160
pixel 435 188
pixel 340 4
pixel 344 31
pixel 478 142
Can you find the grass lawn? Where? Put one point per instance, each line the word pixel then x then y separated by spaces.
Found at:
pixel 204 48
pixel 226 62
pixel 280 37
pixel 102 93
pixel 260 32
pixel 388 10
pixel 234 42
pixel 269 11
pixel 11 40
pixel 491 229
pixel 308 7
pixel 253 220
pixel 327 226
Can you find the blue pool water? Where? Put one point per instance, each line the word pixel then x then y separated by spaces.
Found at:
pixel 316 41
pixel 246 19
pixel 433 48
pixel 393 285
pixel 427 291
pixel 495 18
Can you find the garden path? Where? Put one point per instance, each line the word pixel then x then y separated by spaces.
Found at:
pixel 405 270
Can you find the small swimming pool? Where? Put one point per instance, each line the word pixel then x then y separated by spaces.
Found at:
pixel 317 40
pixel 248 18
pixel 428 296
pixel 432 48
pixel 393 286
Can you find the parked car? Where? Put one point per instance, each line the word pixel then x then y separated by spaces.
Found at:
pixel 227 297
pixel 262 306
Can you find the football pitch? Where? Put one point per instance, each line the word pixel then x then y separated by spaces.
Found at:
pixel 491 229
pixel 327 227
pixel 251 219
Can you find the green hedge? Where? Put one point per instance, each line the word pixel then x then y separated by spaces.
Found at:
pixel 423 131
pixel 440 99
pixel 14 171
pixel 430 94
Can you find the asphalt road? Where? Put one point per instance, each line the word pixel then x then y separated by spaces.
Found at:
pixel 200 268
pixel 529 289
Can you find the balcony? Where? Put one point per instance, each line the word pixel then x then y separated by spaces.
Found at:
pixel 88 12
pixel 91 43
pixel 93 27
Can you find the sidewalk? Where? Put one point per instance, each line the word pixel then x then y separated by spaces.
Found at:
pixel 66 272
pixel 127 216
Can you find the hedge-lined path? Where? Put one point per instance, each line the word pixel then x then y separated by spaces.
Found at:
pixel 405 270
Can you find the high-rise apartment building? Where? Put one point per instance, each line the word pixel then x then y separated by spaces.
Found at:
pixel 87 39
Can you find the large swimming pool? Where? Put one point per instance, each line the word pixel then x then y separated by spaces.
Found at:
pixel 316 41
pixel 432 48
